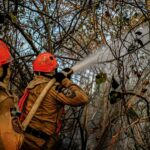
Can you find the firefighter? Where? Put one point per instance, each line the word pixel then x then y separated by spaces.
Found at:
pixel 10 139
pixel 42 131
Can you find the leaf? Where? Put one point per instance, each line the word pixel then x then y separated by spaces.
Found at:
pixel 132 47
pixel 136 14
pixel 114 83
pixel 140 42
pixel 138 32
pixel 114 97
pixel 126 19
pixel 13 17
pixel 101 78
pixel 107 14
pixel 143 90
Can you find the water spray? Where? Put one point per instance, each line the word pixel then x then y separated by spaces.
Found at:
pixel 101 54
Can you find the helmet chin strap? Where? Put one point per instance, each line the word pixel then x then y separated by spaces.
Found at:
pixel 1 71
pixel 47 74
pixel 5 74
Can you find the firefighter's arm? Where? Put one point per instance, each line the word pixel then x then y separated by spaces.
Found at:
pixel 70 94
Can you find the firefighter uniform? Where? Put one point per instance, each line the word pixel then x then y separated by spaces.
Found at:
pixel 42 130
pixel 9 138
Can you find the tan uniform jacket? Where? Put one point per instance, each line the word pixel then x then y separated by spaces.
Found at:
pixel 9 139
pixel 49 113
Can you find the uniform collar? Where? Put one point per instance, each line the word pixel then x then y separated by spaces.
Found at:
pixel 37 80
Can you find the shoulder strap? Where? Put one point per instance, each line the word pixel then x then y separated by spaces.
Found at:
pixel 23 99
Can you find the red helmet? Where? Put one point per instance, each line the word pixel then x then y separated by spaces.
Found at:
pixel 5 56
pixel 45 62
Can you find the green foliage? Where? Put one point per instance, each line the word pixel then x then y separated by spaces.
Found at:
pixel 101 78
pixel 13 17
pixel 114 97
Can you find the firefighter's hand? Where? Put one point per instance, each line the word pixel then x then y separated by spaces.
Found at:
pixel 59 77
pixel 67 72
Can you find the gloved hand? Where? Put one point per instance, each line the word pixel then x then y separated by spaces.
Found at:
pixel 68 72
pixel 59 77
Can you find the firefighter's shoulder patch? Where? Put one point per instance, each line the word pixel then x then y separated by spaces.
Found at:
pixel 68 93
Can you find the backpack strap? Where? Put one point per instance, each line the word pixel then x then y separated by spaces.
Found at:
pixel 23 99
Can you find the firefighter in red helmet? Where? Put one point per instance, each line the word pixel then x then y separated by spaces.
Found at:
pixel 9 138
pixel 45 62
pixel 42 131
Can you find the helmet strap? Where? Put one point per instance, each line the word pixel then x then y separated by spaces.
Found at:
pixel 3 72
pixel 46 74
